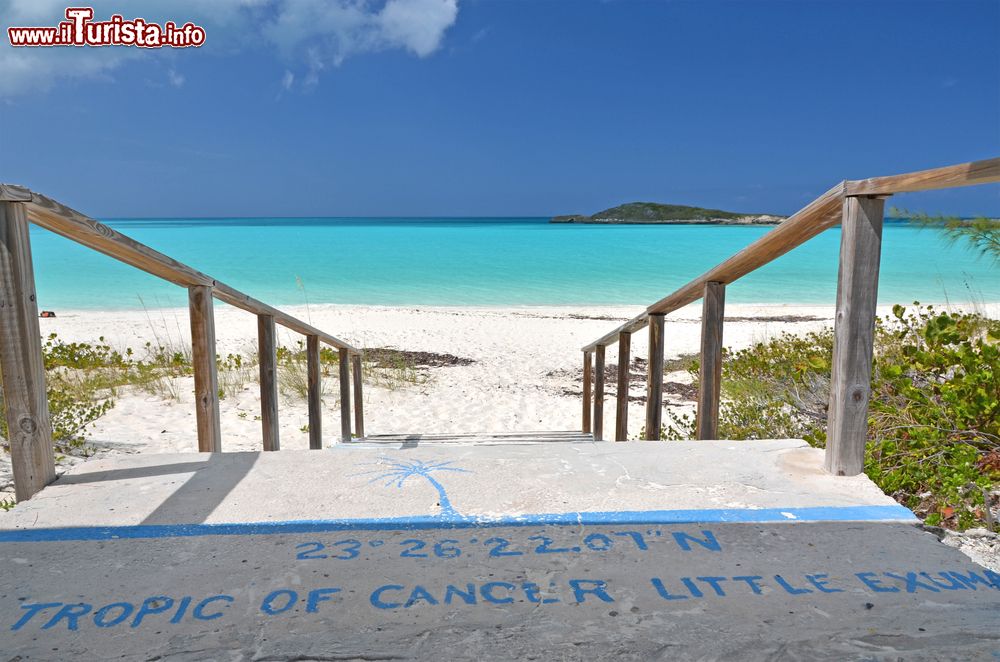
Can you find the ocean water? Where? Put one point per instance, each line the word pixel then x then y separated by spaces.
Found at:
pixel 485 262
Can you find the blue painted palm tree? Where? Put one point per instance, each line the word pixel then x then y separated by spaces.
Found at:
pixel 396 472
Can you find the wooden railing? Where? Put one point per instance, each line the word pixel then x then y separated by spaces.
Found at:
pixel 27 415
pixel 858 207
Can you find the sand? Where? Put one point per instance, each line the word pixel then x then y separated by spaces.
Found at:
pixel 524 375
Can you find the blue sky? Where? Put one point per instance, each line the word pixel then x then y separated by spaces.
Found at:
pixel 428 107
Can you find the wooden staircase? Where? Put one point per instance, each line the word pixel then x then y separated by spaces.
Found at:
pixel 473 439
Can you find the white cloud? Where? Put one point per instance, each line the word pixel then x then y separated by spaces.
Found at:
pixel 309 34
pixel 175 79
pixel 417 25
pixel 322 33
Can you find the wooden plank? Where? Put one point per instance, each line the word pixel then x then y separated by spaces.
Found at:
pixel 267 355
pixel 819 215
pixel 588 378
pixel 599 393
pixel 560 435
pixel 21 364
pixel 345 396
pixel 963 174
pixel 814 218
pixel 637 323
pixel 654 377
pixel 485 438
pixel 315 395
pixel 710 378
pixel 359 411
pixel 854 329
pixel 14 193
pixel 206 379
pixel 621 404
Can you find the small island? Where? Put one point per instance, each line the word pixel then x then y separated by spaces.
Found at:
pixel 653 213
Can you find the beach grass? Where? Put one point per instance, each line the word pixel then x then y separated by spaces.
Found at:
pixel 86 380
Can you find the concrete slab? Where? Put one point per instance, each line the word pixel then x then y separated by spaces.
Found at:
pixel 481 482
pixel 702 550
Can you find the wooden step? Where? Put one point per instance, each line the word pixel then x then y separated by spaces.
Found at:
pixel 488 438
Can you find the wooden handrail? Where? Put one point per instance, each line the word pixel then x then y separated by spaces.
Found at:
pixel 62 220
pixel 963 174
pixel 21 352
pixel 856 292
pixel 73 225
pixel 245 302
pixel 821 214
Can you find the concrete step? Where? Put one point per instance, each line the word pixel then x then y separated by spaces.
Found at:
pixel 687 550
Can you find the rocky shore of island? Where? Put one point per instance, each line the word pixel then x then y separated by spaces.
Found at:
pixel 750 219
pixel 654 213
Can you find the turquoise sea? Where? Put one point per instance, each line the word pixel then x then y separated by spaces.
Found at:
pixel 485 262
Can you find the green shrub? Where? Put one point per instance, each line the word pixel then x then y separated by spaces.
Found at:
pixel 83 379
pixel 934 417
pixel 77 384
pixel 934 421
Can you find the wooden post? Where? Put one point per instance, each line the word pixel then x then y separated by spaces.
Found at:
pixel 345 395
pixel 27 410
pixel 206 379
pixel 359 411
pixel 588 378
pixel 315 397
pixel 267 355
pixel 854 330
pixel 654 377
pixel 621 410
pixel 599 393
pixel 710 379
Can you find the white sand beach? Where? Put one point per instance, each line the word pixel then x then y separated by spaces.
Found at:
pixel 524 373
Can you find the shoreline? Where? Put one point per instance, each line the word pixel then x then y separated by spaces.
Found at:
pixel 636 308
pixel 157 304
pixel 745 221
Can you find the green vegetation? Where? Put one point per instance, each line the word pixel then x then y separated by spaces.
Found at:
pixel 85 379
pixel 380 367
pixel 392 369
pixel 293 373
pixel 235 372
pixel 934 417
pixel 654 212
